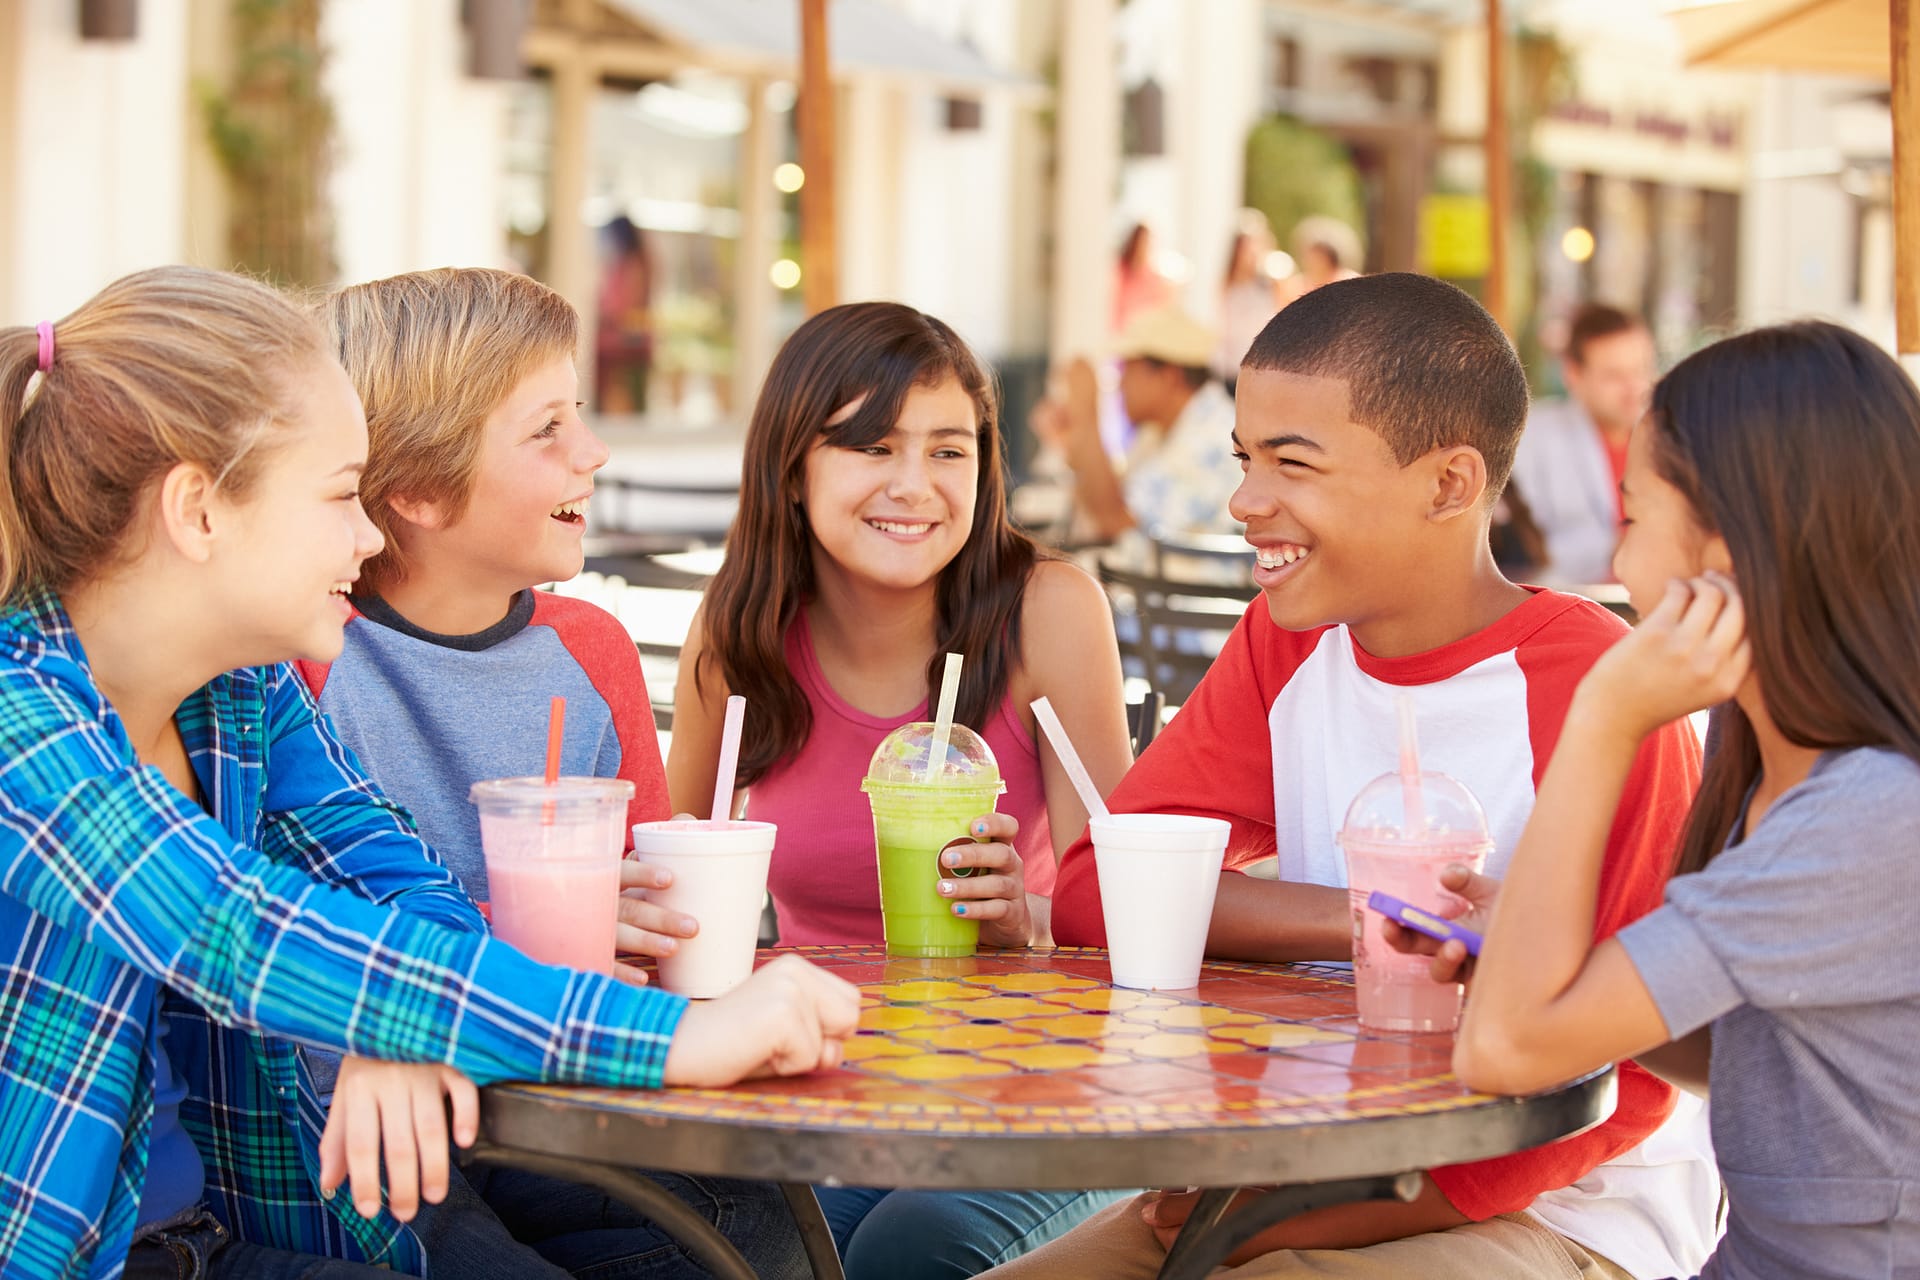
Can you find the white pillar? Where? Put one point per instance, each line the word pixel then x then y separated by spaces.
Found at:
pixel 753 254
pixel 570 265
pixel 1087 161
pixel 1217 101
pixel 97 146
pixel 871 200
pixel 420 147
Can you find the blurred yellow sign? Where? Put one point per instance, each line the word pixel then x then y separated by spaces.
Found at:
pixel 1454 236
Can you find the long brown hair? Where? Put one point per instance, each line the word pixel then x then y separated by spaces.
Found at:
pixel 880 350
pixel 1800 445
pixel 174 364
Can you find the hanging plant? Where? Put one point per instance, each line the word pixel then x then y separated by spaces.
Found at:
pixel 271 129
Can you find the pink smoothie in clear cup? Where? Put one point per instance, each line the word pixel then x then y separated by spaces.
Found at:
pixel 1394 991
pixel 553 865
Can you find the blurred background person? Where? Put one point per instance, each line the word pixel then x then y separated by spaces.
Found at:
pixel 1180 470
pixel 623 339
pixel 1137 283
pixel 1324 250
pixel 1249 296
pixel 1575 450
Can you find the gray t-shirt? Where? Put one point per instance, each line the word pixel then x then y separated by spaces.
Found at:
pixel 1798 945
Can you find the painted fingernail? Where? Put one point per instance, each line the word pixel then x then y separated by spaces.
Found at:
pixel 946 886
pixel 959 908
pixel 980 827
pixel 951 857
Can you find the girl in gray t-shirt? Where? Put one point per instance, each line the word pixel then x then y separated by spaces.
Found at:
pixel 1772 547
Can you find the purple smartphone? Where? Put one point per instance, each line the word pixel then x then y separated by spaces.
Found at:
pixel 1420 921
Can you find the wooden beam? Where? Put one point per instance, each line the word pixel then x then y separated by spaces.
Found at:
pixel 1499 168
pixel 1905 31
pixel 820 280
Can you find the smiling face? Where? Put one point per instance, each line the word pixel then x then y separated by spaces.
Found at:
pixel 293 545
pixel 523 520
pixel 1661 537
pixel 894 513
pixel 1338 526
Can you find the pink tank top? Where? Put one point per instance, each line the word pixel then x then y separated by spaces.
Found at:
pixel 825 879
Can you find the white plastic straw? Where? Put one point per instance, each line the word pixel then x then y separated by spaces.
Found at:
pixel 1415 813
pixel 943 722
pixel 729 759
pixel 1069 758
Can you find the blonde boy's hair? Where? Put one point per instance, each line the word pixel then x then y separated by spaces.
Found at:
pixel 170 365
pixel 433 354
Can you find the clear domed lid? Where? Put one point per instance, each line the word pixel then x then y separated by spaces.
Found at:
pixel 1446 812
pixel 901 758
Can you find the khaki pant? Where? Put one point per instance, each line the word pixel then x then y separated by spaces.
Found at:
pixel 1116 1244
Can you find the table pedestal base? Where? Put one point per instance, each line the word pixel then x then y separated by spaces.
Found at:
pixel 1209 1236
pixel 672 1215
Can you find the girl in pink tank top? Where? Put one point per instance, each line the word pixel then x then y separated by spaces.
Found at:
pixel 872 540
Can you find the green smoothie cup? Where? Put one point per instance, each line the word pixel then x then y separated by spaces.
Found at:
pixel 915 817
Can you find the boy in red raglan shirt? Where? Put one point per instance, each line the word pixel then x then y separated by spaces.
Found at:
pixel 1377 420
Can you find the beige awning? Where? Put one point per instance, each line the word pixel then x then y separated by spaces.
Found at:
pixel 869 39
pixel 1839 37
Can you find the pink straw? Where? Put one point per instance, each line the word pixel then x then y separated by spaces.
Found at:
pixel 729 760
pixel 1414 818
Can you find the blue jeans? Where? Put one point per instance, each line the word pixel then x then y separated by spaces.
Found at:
pixel 947 1235
pixel 510 1224
pixel 201 1249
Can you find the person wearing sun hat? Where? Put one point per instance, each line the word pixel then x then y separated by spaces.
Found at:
pixel 1180 471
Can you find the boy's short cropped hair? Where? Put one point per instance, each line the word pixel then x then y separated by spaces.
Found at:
pixel 433 354
pixel 1425 366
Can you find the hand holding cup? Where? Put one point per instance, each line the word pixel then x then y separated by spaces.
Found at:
pixel 986 881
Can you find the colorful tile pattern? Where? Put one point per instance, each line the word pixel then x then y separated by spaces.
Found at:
pixel 1040 1042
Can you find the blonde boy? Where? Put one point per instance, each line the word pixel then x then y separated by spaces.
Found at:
pixel 479 472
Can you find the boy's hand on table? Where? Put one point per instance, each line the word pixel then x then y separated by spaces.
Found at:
pixel 995 893
pixel 1450 961
pixel 394 1109
pixel 646 928
pixel 789 1018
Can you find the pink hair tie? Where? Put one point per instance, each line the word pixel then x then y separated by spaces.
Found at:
pixel 45 330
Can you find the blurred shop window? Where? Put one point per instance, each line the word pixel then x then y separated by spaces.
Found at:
pixel 664 201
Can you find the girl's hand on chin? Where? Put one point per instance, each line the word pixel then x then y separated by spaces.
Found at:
pixel 1691 652
pixel 995 892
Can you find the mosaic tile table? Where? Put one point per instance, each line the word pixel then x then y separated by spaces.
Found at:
pixel 1030 1069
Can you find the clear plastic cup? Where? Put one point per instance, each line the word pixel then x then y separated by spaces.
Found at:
pixel 1394 991
pixel 553 865
pixel 1158 876
pixel 914 819
pixel 720 879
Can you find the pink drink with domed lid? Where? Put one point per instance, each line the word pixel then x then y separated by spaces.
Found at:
pixel 1395 992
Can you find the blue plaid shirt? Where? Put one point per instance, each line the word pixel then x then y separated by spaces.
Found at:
pixel 304 910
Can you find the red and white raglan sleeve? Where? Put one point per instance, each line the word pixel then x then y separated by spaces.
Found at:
pixel 600 644
pixel 1638 861
pixel 1214 759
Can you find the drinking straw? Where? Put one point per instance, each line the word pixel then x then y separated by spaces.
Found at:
pixel 556 731
pixel 1069 759
pixel 556 728
pixel 1414 817
pixel 943 722
pixel 729 758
